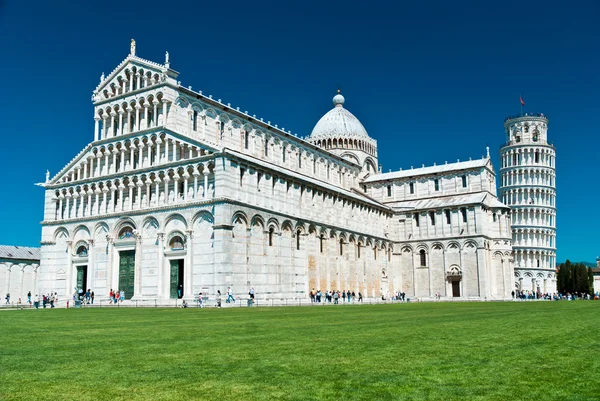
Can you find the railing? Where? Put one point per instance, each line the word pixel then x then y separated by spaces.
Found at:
pixel 525 115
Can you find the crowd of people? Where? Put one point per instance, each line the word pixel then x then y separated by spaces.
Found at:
pixel 531 295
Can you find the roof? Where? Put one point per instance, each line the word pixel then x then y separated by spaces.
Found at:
pixel 439 202
pixel 19 252
pixel 338 122
pixel 442 168
pixel 302 177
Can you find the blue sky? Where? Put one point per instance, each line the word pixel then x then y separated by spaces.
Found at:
pixel 431 81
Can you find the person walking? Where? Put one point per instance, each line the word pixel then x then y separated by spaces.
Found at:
pixel 348 295
pixel 122 296
pixel 52 299
pixel 230 295
pixel 200 304
pixel 7 298
pixel 251 293
pixel 218 298
pixel 29 298
pixel 335 297
pixel 179 291
pixel 92 297
pixel 360 296
pixel 36 302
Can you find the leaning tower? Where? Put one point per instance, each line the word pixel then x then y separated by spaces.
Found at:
pixel 528 186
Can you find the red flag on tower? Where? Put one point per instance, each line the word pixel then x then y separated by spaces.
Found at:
pixel 522 101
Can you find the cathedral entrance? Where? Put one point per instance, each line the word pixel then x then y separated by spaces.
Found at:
pixel 456 288
pixel 127 272
pixel 81 282
pixel 176 282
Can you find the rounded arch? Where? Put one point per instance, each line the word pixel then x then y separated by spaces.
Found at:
pixel 203 216
pixel 122 223
pixel 258 220
pixel 61 233
pixel 174 218
pixel 287 225
pixel 422 247
pixel 273 222
pixel 438 246
pixel 82 231
pixel 350 156
pixel 151 226
pixel 100 231
pixel 239 217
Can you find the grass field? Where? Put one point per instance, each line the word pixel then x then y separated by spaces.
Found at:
pixel 443 351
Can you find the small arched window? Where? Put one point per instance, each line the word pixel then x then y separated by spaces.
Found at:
pixel 126 232
pixel 423 257
pixel 341 246
pixel 82 251
pixel 298 240
pixel 321 243
pixel 176 243
pixel 271 231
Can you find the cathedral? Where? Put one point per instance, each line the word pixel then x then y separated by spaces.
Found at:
pixel 180 193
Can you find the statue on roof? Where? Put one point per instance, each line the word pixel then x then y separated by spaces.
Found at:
pixel 132 47
pixel 166 57
pixel 47 175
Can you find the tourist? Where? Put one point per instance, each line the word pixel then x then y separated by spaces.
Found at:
pixel 335 297
pixel 184 304
pixel 52 299
pixel 218 298
pixel 87 296
pixel 111 296
pixel 348 295
pixel 200 304
pixel 29 297
pixel 7 298
pixel 122 296
pixel 92 297
pixel 230 295
pixel 36 302
pixel 360 296
pixel 312 295
pixel 251 293
pixel 179 291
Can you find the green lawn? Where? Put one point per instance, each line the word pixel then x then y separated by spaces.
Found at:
pixel 443 351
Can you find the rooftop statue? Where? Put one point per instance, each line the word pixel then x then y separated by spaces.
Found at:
pixel 132 47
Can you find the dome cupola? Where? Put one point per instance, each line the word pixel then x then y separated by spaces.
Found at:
pixel 341 133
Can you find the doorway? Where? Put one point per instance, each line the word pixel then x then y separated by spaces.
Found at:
pixel 81 278
pixel 127 273
pixel 176 279
pixel 456 288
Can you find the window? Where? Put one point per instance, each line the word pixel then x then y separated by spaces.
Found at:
pixel 518 139
pixel 176 243
pixel 463 211
pixel 299 159
pixel 537 157
pixel 389 190
pixel 358 250
pixel 258 178
pixel 375 253
pixel 448 221
pixel 82 251
pixel 195 121
pixel 514 161
pixel 432 218
pixel 242 171
pixel 389 255
pixel 222 127
pixel 365 188
pixel 526 128
pixel 246 139
pixel 341 247
pixel 464 181
pixel 494 217
pixel 126 232
pixel 283 154
pixel 436 184
pixel 298 240
pixel 416 218
pixel 412 187
pixel 321 243
pixel 266 147
pixel 423 258
pixel 538 263
pixel 271 230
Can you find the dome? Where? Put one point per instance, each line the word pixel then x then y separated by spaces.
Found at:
pixel 338 122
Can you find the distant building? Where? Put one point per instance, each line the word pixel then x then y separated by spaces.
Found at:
pixel 19 272
pixel 528 187
pixel 596 273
